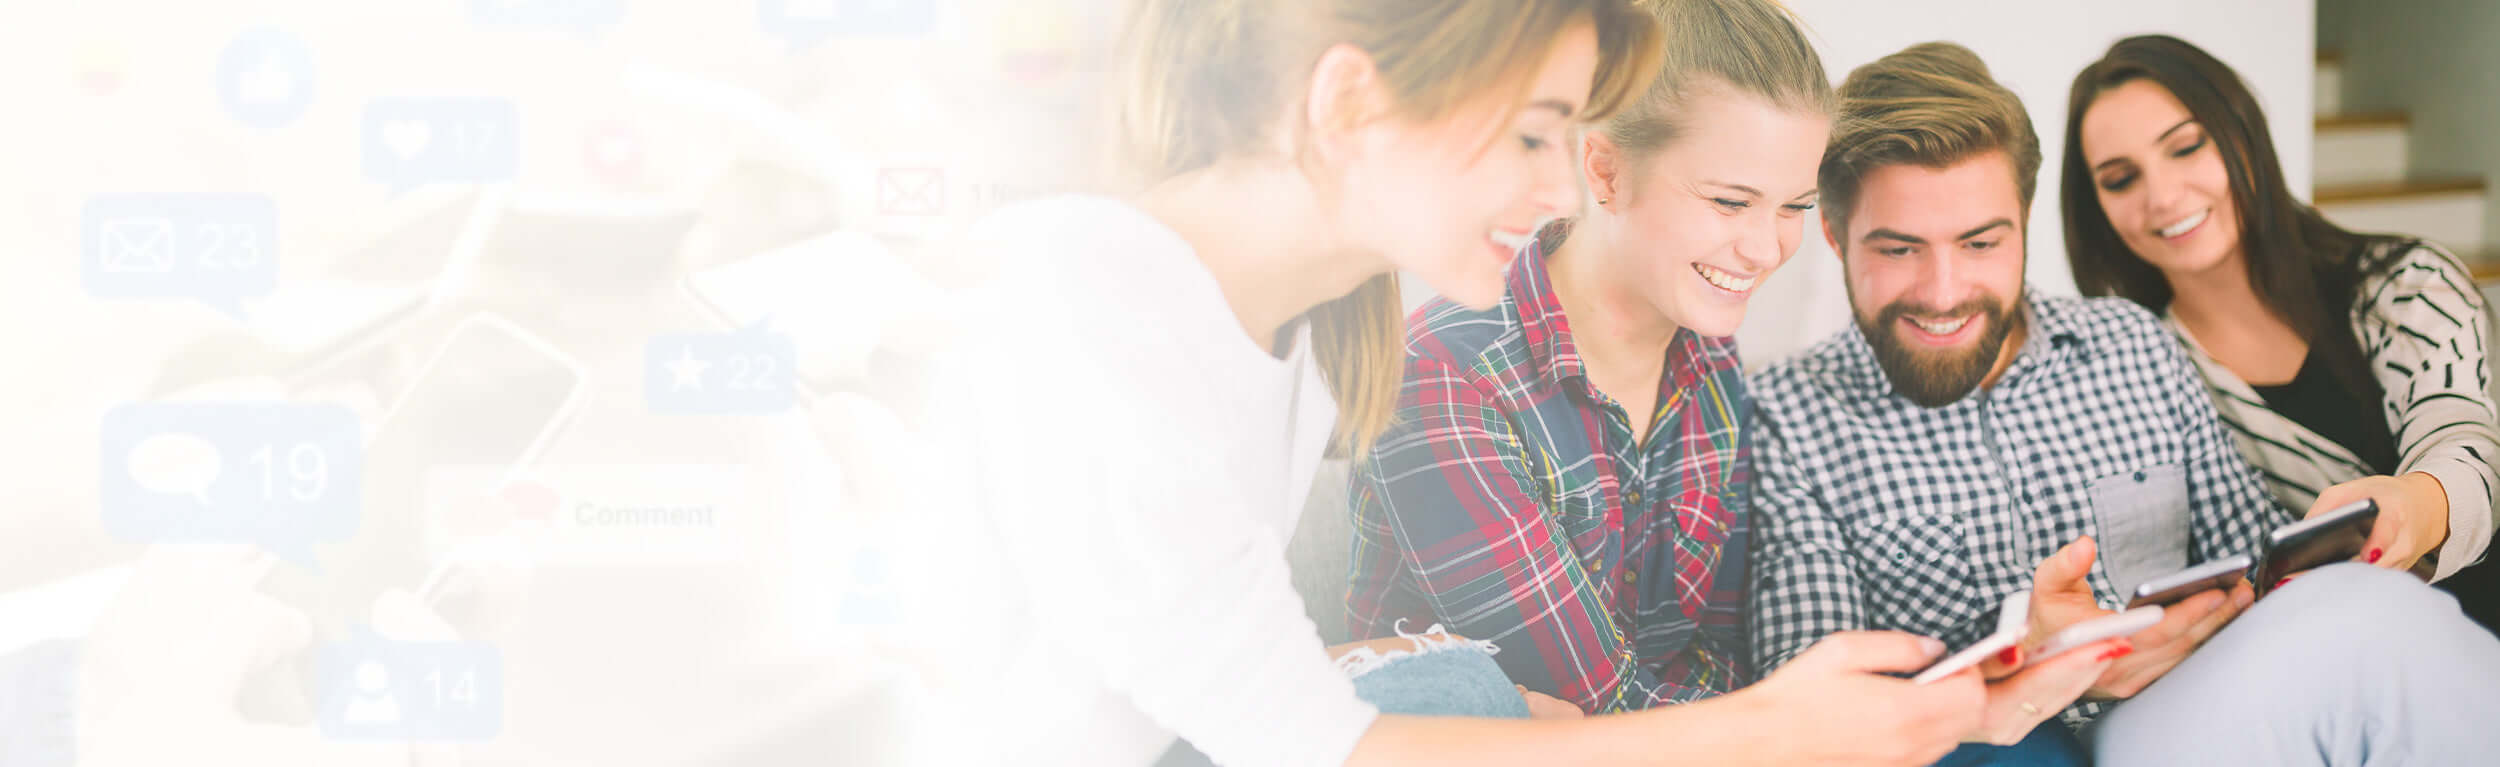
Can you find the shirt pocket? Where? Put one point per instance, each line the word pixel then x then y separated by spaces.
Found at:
pixel 2143 522
pixel 1916 574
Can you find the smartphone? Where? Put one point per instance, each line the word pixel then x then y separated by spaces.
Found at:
pixel 2013 621
pixel 2171 589
pixel 2094 630
pixel 493 393
pixel 2321 540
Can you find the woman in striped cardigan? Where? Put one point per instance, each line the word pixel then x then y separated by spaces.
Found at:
pixel 2348 366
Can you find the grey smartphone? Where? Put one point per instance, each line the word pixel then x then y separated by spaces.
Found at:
pixel 2171 589
pixel 2325 539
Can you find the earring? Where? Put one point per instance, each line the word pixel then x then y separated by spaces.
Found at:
pixel 1603 200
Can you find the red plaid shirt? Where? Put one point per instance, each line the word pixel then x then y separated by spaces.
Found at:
pixel 1511 502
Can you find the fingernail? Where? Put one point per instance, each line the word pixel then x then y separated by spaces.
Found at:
pixel 2279 584
pixel 2374 555
pixel 2117 652
pixel 1933 646
pixel 2010 656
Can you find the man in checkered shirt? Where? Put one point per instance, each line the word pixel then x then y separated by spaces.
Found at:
pixel 1968 438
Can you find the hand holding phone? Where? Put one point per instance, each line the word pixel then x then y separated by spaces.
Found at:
pixel 2013 623
pixel 2318 541
pixel 2171 589
pixel 2094 630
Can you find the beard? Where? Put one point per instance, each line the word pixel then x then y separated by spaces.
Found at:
pixel 1936 378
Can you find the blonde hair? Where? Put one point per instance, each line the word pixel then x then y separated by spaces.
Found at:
pixel 1209 79
pixel 1757 47
pixel 1930 105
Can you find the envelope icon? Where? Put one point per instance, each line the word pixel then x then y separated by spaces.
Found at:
pixel 137 246
pixel 911 191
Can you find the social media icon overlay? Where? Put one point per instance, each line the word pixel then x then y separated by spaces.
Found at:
pixel 751 370
pixel 869 599
pixel 215 248
pixel 911 191
pixel 583 17
pixel 808 22
pixel 374 688
pixel 265 78
pixel 280 475
pixel 408 142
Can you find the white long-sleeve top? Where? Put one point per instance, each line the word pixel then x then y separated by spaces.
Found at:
pixel 1134 466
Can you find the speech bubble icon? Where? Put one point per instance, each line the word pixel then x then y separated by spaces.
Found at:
pixel 215 248
pixel 409 142
pixel 278 475
pixel 176 464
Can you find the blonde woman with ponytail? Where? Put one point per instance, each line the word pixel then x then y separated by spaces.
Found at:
pixel 1156 377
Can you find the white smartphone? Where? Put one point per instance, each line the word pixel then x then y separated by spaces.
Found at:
pixel 2013 621
pixel 2094 630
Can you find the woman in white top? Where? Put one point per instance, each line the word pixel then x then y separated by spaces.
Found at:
pixel 1141 413
pixel 2348 366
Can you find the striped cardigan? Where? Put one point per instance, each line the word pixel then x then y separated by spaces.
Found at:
pixel 2422 323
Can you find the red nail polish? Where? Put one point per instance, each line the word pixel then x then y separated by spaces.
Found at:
pixel 2118 652
pixel 2374 554
pixel 2279 584
pixel 2010 656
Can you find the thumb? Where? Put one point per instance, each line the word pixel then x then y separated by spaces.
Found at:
pixel 1857 652
pixel 2066 569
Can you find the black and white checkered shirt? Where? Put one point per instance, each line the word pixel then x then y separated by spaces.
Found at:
pixel 1875 513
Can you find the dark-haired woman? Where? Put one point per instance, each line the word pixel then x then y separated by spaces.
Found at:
pixel 2348 366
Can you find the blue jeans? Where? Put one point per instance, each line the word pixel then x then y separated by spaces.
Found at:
pixel 1443 677
pixel 2049 745
pixel 2348 665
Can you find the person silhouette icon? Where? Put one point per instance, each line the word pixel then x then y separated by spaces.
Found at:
pixel 372 702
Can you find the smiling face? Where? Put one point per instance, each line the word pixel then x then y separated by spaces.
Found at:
pixel 1443 204
pixel 1707 217
pixel 2160 179
pixel 1934 261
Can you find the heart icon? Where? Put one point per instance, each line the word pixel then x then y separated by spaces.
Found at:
pixel 406 138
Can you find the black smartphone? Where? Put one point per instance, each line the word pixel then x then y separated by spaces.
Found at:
pixel 2325 539
pixel 2171 589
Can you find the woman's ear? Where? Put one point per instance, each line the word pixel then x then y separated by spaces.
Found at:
pixel 1600 164
pixel 1345 93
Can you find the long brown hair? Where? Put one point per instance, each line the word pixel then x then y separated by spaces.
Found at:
pixel 1208 80
pixel 2304 268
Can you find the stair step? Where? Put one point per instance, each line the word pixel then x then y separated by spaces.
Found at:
pixel 2360 148
pixel 2327 94
pixel 2374 191
pixel 2445 211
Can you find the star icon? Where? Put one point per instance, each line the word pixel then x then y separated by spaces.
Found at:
pixel 686 372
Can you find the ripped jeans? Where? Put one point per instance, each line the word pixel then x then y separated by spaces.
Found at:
pixel 1443 676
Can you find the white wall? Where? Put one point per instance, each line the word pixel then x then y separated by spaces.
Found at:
pixel 2035 49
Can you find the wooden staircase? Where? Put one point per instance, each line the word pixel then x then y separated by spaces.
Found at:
pixel 2364 181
